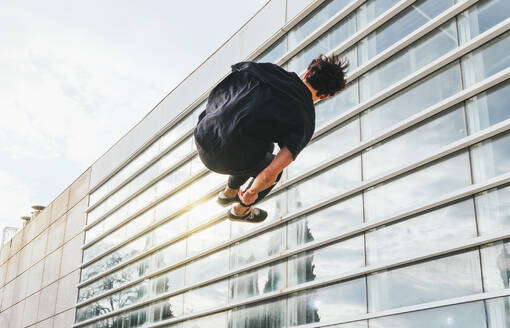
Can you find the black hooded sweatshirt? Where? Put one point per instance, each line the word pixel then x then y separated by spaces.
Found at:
pixel 255 106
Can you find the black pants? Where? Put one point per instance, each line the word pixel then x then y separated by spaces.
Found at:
pixel 236 181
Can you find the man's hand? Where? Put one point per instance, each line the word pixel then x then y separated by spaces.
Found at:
pixel 267 177
pixel 248 197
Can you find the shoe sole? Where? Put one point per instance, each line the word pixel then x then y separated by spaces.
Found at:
pixel 247 220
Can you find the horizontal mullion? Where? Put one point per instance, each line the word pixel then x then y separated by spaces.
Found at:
pixel 436 65
pixel 411 38
pixel 418 75
pixel 442 152
pixel 322 29
pixel 403 125
pixel 359 273
pixel 131 217
pixel 447 103
pixel 141 169
pixel 412 308
pixel 353 274
pixel 362 228
pixel 177 212
pixel 146 186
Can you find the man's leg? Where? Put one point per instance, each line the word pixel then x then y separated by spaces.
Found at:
pixel 234 183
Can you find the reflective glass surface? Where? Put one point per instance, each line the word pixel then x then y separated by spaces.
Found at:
pixel 496 266
pixel 414 143
pixel 486 60
pixel 257 248
pixel 425 282
pixel 323 44
pixel 481 17
pixel 370 10
pixel 417 187
pixel 432 230
pixel 491 158
pixel 214 264
pixel 493 210
pixel 409 60
pixel 411 100
pixel 327 110
pixel 328 146
pixel 488 108
pixel 207 297
pixel 328 303
pixel 275 52
pixel 498 312
pixel 257 282
pixel 211 236
pixel 326 262
pixel 403 24
pixel 263 315
pixel 468 315
pixel 314 20
pixel 215 320
pixel 326 223
pixel 340 177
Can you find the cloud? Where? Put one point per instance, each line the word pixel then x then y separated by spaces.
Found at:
pixel 16 198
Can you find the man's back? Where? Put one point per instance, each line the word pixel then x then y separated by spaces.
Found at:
pixel 256 105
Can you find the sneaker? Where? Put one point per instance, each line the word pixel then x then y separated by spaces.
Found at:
pixel 224 200
pixel 254 215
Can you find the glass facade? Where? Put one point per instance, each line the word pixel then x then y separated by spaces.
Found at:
pixel 377 213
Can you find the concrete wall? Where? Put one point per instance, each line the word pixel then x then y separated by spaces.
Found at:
pixel 39 266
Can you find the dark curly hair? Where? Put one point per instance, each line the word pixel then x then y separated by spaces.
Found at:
pixel 327 74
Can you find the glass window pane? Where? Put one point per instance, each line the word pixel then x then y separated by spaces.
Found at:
pixel 493 210
pixel 417 187
pixel 372 9
pixel 209 237
pixel 496 266
pixel 498 312
pixel 324 44
pixel 409 60
pixel 431 230
pixel 428 137
pixel 481 17
pixel 326 262
pixel 257 282
pixel 489 107
pixel 328 146
pixel 216 320
pixel 167 309
pixel 170 254
pixel 207 297
pixel 327 110
pixel 275 52
pixel 411 100
pixel 326 223
pixel 258 248
pixel 425 282
pixel 263 315
pixel 491 158
pixel 212 265
pixel 314 20
pixel 338 178
pixel 167 282
pixel 328 303
pixel 400 26
pixel 468 315
pixel 486 60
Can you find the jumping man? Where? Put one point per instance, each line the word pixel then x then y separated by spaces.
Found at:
pixel 254 107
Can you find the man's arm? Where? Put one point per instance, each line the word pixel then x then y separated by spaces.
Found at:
pixel 267 177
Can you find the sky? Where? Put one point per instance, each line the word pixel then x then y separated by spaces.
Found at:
pixel 75 76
